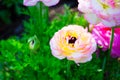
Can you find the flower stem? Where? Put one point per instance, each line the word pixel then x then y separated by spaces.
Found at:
pixel 104 64
pixel 107 58
pixel 68 70
pixel 40 17
pixel 46 14
pixel 111 40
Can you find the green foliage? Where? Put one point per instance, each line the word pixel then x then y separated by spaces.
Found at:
pixel 10 3
pixel 8 8
pixel 68 18
pixel 18 62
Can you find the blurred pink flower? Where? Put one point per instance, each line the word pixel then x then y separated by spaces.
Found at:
pixel 102 35
pixel 46 2
pixel 74 43
pixel 105 11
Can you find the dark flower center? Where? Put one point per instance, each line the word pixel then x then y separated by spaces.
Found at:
pixel 72 40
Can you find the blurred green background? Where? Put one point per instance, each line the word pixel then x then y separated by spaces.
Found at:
pixel 18 61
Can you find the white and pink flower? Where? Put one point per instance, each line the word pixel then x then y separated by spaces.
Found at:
pixel 105 11
pixel 46 2
pixel 74 43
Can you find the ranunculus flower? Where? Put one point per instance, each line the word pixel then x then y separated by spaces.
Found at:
pixel 105 11
pixel 74 43
pixel 102 35
pixel 46 2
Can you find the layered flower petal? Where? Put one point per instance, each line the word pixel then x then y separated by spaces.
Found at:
pixel 50 2
pixel 106 11
pixel 102 35
pixel 84 6
pixel 46 2
pixel 74 43
pixel 30 2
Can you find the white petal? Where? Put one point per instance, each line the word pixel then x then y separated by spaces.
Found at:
pixel 50 2
pixel 81 59
pixel 57 54
pixel 84 59
pixel 109 23
pixel 30 2
pixel 84 6
pixel 55 49
pixel 92 18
